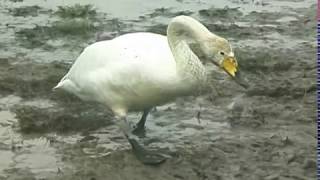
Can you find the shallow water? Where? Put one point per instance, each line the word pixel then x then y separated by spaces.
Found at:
pixel 266 132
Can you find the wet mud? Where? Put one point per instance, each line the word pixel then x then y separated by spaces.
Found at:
pixel 265 132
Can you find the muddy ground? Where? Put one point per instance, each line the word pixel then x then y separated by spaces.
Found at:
pixel 267 132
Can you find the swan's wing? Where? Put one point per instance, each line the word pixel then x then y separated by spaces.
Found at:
pixel 150 51
pixel 135 64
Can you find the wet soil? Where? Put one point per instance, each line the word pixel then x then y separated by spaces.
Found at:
pixel 265 132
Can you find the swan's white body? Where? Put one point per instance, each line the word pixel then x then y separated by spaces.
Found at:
pixel 131 72
pixel 140 70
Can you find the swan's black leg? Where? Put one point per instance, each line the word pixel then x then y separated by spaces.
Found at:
pixel 144 155
pixel 139 129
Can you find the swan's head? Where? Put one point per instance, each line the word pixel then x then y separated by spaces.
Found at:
pixel 222 55
pixel 218 51
pixel 206 45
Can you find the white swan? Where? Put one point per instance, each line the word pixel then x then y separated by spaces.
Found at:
pixel 137 71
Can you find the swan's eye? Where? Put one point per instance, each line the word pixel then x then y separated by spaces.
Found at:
pixel 222 53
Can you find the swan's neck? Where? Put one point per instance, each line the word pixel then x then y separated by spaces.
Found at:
pixel 181 32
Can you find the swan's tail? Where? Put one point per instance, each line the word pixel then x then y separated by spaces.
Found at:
pixel 67 85
pixel 71 87
pixel 60 84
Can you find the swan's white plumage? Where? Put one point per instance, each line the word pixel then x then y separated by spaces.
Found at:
pixel 131 72
pixel 137 71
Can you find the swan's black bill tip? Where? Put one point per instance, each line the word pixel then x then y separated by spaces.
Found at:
pixel 241 80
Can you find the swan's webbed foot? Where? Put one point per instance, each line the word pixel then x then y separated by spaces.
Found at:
pixel 146 156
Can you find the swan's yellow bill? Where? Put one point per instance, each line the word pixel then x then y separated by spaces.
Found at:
pixel 230 66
